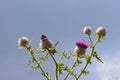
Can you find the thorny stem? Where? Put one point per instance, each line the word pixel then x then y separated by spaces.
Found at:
pixel 87 63
pixel 56 66
pixel 33 57
pixel 71 68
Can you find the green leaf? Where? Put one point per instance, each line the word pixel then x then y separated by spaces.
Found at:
pixel 56 44
pixel 85 72
pixel 99 59
pixel 66 56
pixel 70 71
pixel 42 50
pixel 96 55
pixel 87 58
pixel 60 67
pixel 35 50
pixel 35 67
pixel 43 58
pixel 31 61
pixel 52 51
pixel 77 63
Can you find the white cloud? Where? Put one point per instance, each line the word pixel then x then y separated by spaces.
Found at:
pixel 110 70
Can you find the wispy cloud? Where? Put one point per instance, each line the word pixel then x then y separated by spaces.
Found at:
pixel 110 70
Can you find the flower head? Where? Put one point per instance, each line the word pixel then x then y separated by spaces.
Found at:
pixel 80 48
pixel 87 30
pixel 101 31
pixel 45 43
pixel 23 41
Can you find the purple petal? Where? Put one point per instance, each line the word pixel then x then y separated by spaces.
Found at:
pixel 82 43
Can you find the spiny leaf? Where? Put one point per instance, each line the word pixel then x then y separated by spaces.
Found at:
pixel 60 68
pixel 43 50
pixel 52 50
pixel 96 55
pixel 77 63
pixel 43 58
pixel 66 68
pixel 34 50
pixel 87 58
pixel 70 71
pixel 66 56
pixel 35 67
pixel 30 62
pixel 86 72
pixel 99 59
pixel 56 44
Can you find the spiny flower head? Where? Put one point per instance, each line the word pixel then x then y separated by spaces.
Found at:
pixel 80 48
pixel 101 31
pixel 45 43
pixel 87 30
pixel 23 41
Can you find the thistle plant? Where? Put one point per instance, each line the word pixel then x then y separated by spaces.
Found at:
pixel 49 50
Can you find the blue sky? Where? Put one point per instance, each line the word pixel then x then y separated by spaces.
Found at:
pixel 60 20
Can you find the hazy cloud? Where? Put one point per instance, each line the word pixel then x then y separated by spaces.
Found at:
pixel 110 70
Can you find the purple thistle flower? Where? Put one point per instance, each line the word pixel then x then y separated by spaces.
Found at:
pixel 80 48
pixel 82 43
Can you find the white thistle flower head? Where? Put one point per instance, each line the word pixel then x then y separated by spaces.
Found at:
pixel 101 31
pixel 87 30
pixel 45 43
pixel 23 41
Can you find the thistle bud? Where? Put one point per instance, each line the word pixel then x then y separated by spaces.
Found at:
pixel 45 43
pixel 87 30
pixel 101 31
pixel 23 41
pixel 80 48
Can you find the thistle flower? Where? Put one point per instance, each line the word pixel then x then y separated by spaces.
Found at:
pixel 45 43
pixel 80 48
pixel 101 31
pixel 87 30
pixel 23 41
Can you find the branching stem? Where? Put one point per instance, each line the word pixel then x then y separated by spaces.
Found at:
pixel 87 63
pixel 34 59
pixel 71 68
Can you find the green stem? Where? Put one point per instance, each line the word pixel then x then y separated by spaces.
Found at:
pixel 56 66
pixel 82 71
pixel 87 63
pixel 33 57
pixel 91 42
pixel 90 39
pixel 71 69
